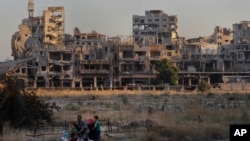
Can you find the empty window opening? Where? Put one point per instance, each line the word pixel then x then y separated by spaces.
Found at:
pixel 67 83
pixel 155 54
pixel 56 68
pixel 55 56
pixel 169 53
pixel 169 47
pixel 23 70
pixel 56 81
pixel 66 67
pixel 66 56
pixel 77 84
pixel 17 71
pixel 43 68
pixel 86 57
pixel 127 54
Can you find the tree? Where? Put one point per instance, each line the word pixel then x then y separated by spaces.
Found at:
pixel 23 109
pixel 168 73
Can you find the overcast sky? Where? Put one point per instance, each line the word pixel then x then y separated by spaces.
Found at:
pixel 114 17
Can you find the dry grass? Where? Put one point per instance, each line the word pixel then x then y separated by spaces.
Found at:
pixel 194 122
pixel 61 93
pixel 72 93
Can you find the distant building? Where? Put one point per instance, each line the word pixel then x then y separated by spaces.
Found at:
pixel 203 52
pixel 241 32
pixel 44 56
pixel 222 36
pixel 156 27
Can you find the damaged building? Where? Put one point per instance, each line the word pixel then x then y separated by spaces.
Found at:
pixel 41 42
pixel 45 56
pixel 159 29
pixel 201 57
pixel 235 58
pixel 53 59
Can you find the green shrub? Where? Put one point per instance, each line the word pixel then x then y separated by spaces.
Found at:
pixel 204 86
pixel 71 107
pixel 125 100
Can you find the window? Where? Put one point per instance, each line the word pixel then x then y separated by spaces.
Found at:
pixel 43 68
pixel 169 53
pixel 106 49
pixel 23 70
pixel 156 20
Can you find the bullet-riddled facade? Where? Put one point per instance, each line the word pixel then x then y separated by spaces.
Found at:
pixel 156 27
pixel 91 60
pixel 49 58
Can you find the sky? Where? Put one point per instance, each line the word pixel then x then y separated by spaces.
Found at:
pixel 114 17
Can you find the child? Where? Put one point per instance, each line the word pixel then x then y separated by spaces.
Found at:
pixel 73 133
pixel 97 129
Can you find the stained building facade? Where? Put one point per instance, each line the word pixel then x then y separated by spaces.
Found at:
pixel 48 57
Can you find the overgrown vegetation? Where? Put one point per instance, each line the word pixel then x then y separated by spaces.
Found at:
pixel 168 73
pixel 173 116
pixel 23 109
pixel 204 86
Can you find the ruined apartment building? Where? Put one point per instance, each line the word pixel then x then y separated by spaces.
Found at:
pixel 92 60
pixel 200 57
pixel 50 58
pixel 47 51
pixel 241 32
pixel 201 54
pixel 158 28
pixel 236 57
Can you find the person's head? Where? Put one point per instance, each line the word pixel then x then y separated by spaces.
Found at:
pixel 79 117
pixel 91 121
pixel 96 118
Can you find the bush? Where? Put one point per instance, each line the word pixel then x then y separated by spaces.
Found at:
pixel 71 107
pixel 125 100
pixel 23 109
pixel 204 86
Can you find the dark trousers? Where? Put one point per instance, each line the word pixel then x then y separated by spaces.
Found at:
pixel 98 135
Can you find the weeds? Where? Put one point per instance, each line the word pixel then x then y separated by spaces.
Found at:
pixel 169 124
pixel 71 107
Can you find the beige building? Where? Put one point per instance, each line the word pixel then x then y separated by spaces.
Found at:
pixel 222 36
